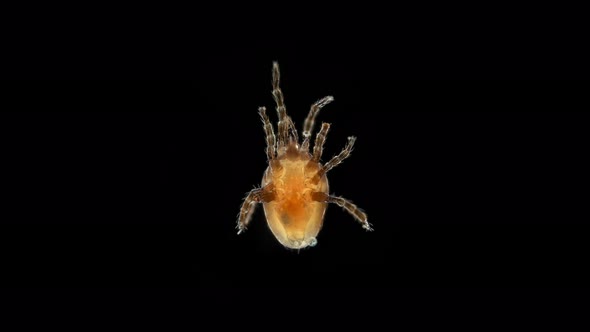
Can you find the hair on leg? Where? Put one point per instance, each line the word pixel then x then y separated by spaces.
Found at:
pixel 345 153
pixel 354 210
pixel 280 101
pixel 248 206
pixel 310 120
pixel 320 139
pixel 347 205
pixel 271 151
pixel 293 135
pixel 255 196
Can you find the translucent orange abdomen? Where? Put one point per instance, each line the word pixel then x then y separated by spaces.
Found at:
pixel 294 217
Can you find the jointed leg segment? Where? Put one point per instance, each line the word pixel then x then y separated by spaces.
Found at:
pixel 283 124
pixel 310 120
pixel 271 151
pixel 320 139
pixel 345 153
pixel 255 196
pixel 248 206
pixel 354 210
pixel 292 130
pixel 357 213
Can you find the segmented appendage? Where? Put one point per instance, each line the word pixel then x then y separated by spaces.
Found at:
pixel 310 120
pixel 271 152
pixel 345 153
pixel 320 139
pixel 354 210
pixel 279 100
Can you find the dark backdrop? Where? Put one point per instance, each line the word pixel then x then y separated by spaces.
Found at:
pixel 140 182
pixel 472 184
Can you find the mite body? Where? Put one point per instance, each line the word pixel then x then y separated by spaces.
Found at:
pixel 295 190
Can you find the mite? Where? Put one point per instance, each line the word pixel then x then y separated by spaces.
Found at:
pixel 294 191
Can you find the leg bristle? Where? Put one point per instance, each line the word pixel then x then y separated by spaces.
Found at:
pixel 283 125
pixel 345 153
pixel 310 120
pixel 354 210
pixel 247 209
pixel 271 151
pixel 318 148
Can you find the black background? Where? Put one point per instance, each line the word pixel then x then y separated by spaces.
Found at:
pixel 136 184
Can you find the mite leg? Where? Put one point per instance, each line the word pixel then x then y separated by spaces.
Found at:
pixel 293 135
pixel 345 153
pixel 310 120
pixel 354 210
pixel 320 139
pixel 280 101
pixel 248 206
pixel 254 197
pixel 271 151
